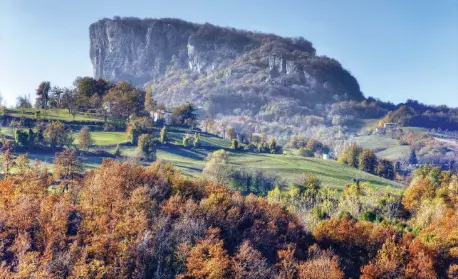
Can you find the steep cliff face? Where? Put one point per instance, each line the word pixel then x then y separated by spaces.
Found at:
pixel 143 50
pixel 223 70
pixel 138 50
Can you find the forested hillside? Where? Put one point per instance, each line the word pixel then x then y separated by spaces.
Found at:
pixel 126 221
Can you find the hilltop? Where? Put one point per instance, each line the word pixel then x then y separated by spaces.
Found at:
pixel 273 81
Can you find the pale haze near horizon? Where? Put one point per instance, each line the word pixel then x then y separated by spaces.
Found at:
pixel 396 49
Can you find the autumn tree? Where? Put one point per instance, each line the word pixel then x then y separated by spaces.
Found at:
pixel 273 146
pixel 350 155
pixel 23 164
pixel 85 138
pixel 385 168
pixel 287 263
pixel 314 145
pixel 217 167
pixel 367 161
pixel 196 141
pixel 308 182
pixel 231 134
pixel 248 263
pixel 208 259
pixel 150 103
pixel 163 135
pixel 138 126
pixel 208 123
pixel 321 265
pixel 7 160
pixel 223 124
pixel 124 100
pixel 184 114
pixel 67 165
pixel 147 146
pixel 57 135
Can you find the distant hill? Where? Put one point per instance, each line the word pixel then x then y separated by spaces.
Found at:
pixel 257 82
pixel 223 70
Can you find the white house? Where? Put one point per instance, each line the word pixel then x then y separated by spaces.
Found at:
pixel 390 125
pixel 161 115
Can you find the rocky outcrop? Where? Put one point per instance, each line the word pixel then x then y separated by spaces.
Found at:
pixel 138 50
pixel 224 70
pixel 273 81
pixel 143 50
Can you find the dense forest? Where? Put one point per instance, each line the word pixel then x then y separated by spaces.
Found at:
pixel 122 220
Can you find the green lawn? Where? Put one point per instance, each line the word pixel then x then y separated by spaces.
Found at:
pixel 106 138
pixel 376 141
pixel 363 126
pixel 6 131
pixel 47 159
pixel 331 173
pixel 52 114
pixel 416 130
pixel 175 135
pixel 395 153
pixel 192 161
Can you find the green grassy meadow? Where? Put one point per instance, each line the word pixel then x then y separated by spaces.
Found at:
pixel 289 167
pixel 105 138
pixel 52 114
pixel 384 146
pixel 191 162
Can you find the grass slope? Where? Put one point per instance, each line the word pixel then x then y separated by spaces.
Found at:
pixel 52 114
pixel 192 161
pixel 331 173
pixel 384 146
pixel 105 138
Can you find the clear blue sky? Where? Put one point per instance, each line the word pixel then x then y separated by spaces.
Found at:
pixel 397 49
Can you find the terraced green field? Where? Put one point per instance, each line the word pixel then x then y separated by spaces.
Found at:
pixel 192 161
pixel 289 167
pixel 52 114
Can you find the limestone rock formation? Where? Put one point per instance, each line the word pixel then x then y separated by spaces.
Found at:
pixel 223 70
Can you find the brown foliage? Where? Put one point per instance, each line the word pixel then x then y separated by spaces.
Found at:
pixel 321 265
pixel 208 259
pixel 248 263
pixel 126 221
pixel 356 241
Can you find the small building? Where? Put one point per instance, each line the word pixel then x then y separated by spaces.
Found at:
pixel 161 115
pixel 107 106
pixel 326 157
pixel 380 130
pixel 390 125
